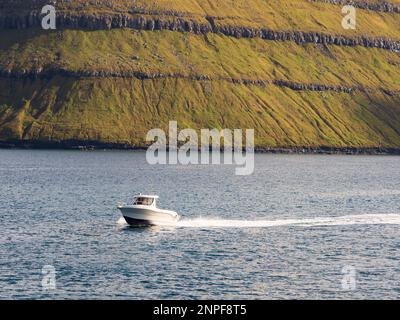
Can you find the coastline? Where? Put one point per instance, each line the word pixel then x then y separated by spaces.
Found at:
pixel 96 145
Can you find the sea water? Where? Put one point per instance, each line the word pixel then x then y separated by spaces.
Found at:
pixel 292 230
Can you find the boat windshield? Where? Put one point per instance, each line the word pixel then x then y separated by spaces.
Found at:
pixel 143 201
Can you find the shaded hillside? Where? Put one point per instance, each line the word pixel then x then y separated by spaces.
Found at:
pixel 115 69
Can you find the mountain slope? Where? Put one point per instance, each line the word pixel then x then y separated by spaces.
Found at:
pixel 115 69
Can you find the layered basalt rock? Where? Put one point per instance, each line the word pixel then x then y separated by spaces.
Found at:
pixel 50 98
pixel 48 74
pixel 179 24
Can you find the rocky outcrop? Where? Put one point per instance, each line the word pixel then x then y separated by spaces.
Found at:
pixel 100 145
pixel 373 6
pixel 316 87
pixel 47 74
pixel 180 24
pixel 330 150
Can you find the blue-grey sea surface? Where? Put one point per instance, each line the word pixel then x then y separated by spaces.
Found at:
pixel 300 227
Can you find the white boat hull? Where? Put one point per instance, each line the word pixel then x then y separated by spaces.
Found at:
pixel 143 215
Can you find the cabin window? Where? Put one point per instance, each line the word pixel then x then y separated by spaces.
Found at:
pixel 144 201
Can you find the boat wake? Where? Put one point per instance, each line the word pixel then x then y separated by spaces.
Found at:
pixel 364 219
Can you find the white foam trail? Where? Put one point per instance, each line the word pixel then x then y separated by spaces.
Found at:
pixel 365 219
pixel 121 222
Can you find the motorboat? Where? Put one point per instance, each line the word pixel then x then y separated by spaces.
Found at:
pixel 144 212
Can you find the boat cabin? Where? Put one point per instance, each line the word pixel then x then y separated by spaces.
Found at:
pixel 142 200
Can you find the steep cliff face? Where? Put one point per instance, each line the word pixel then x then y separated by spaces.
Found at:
pixel 115 69
pixel 107 22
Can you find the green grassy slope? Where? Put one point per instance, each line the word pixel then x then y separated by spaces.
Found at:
pixel 112 86
pixel 123 110
pixel 216 56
